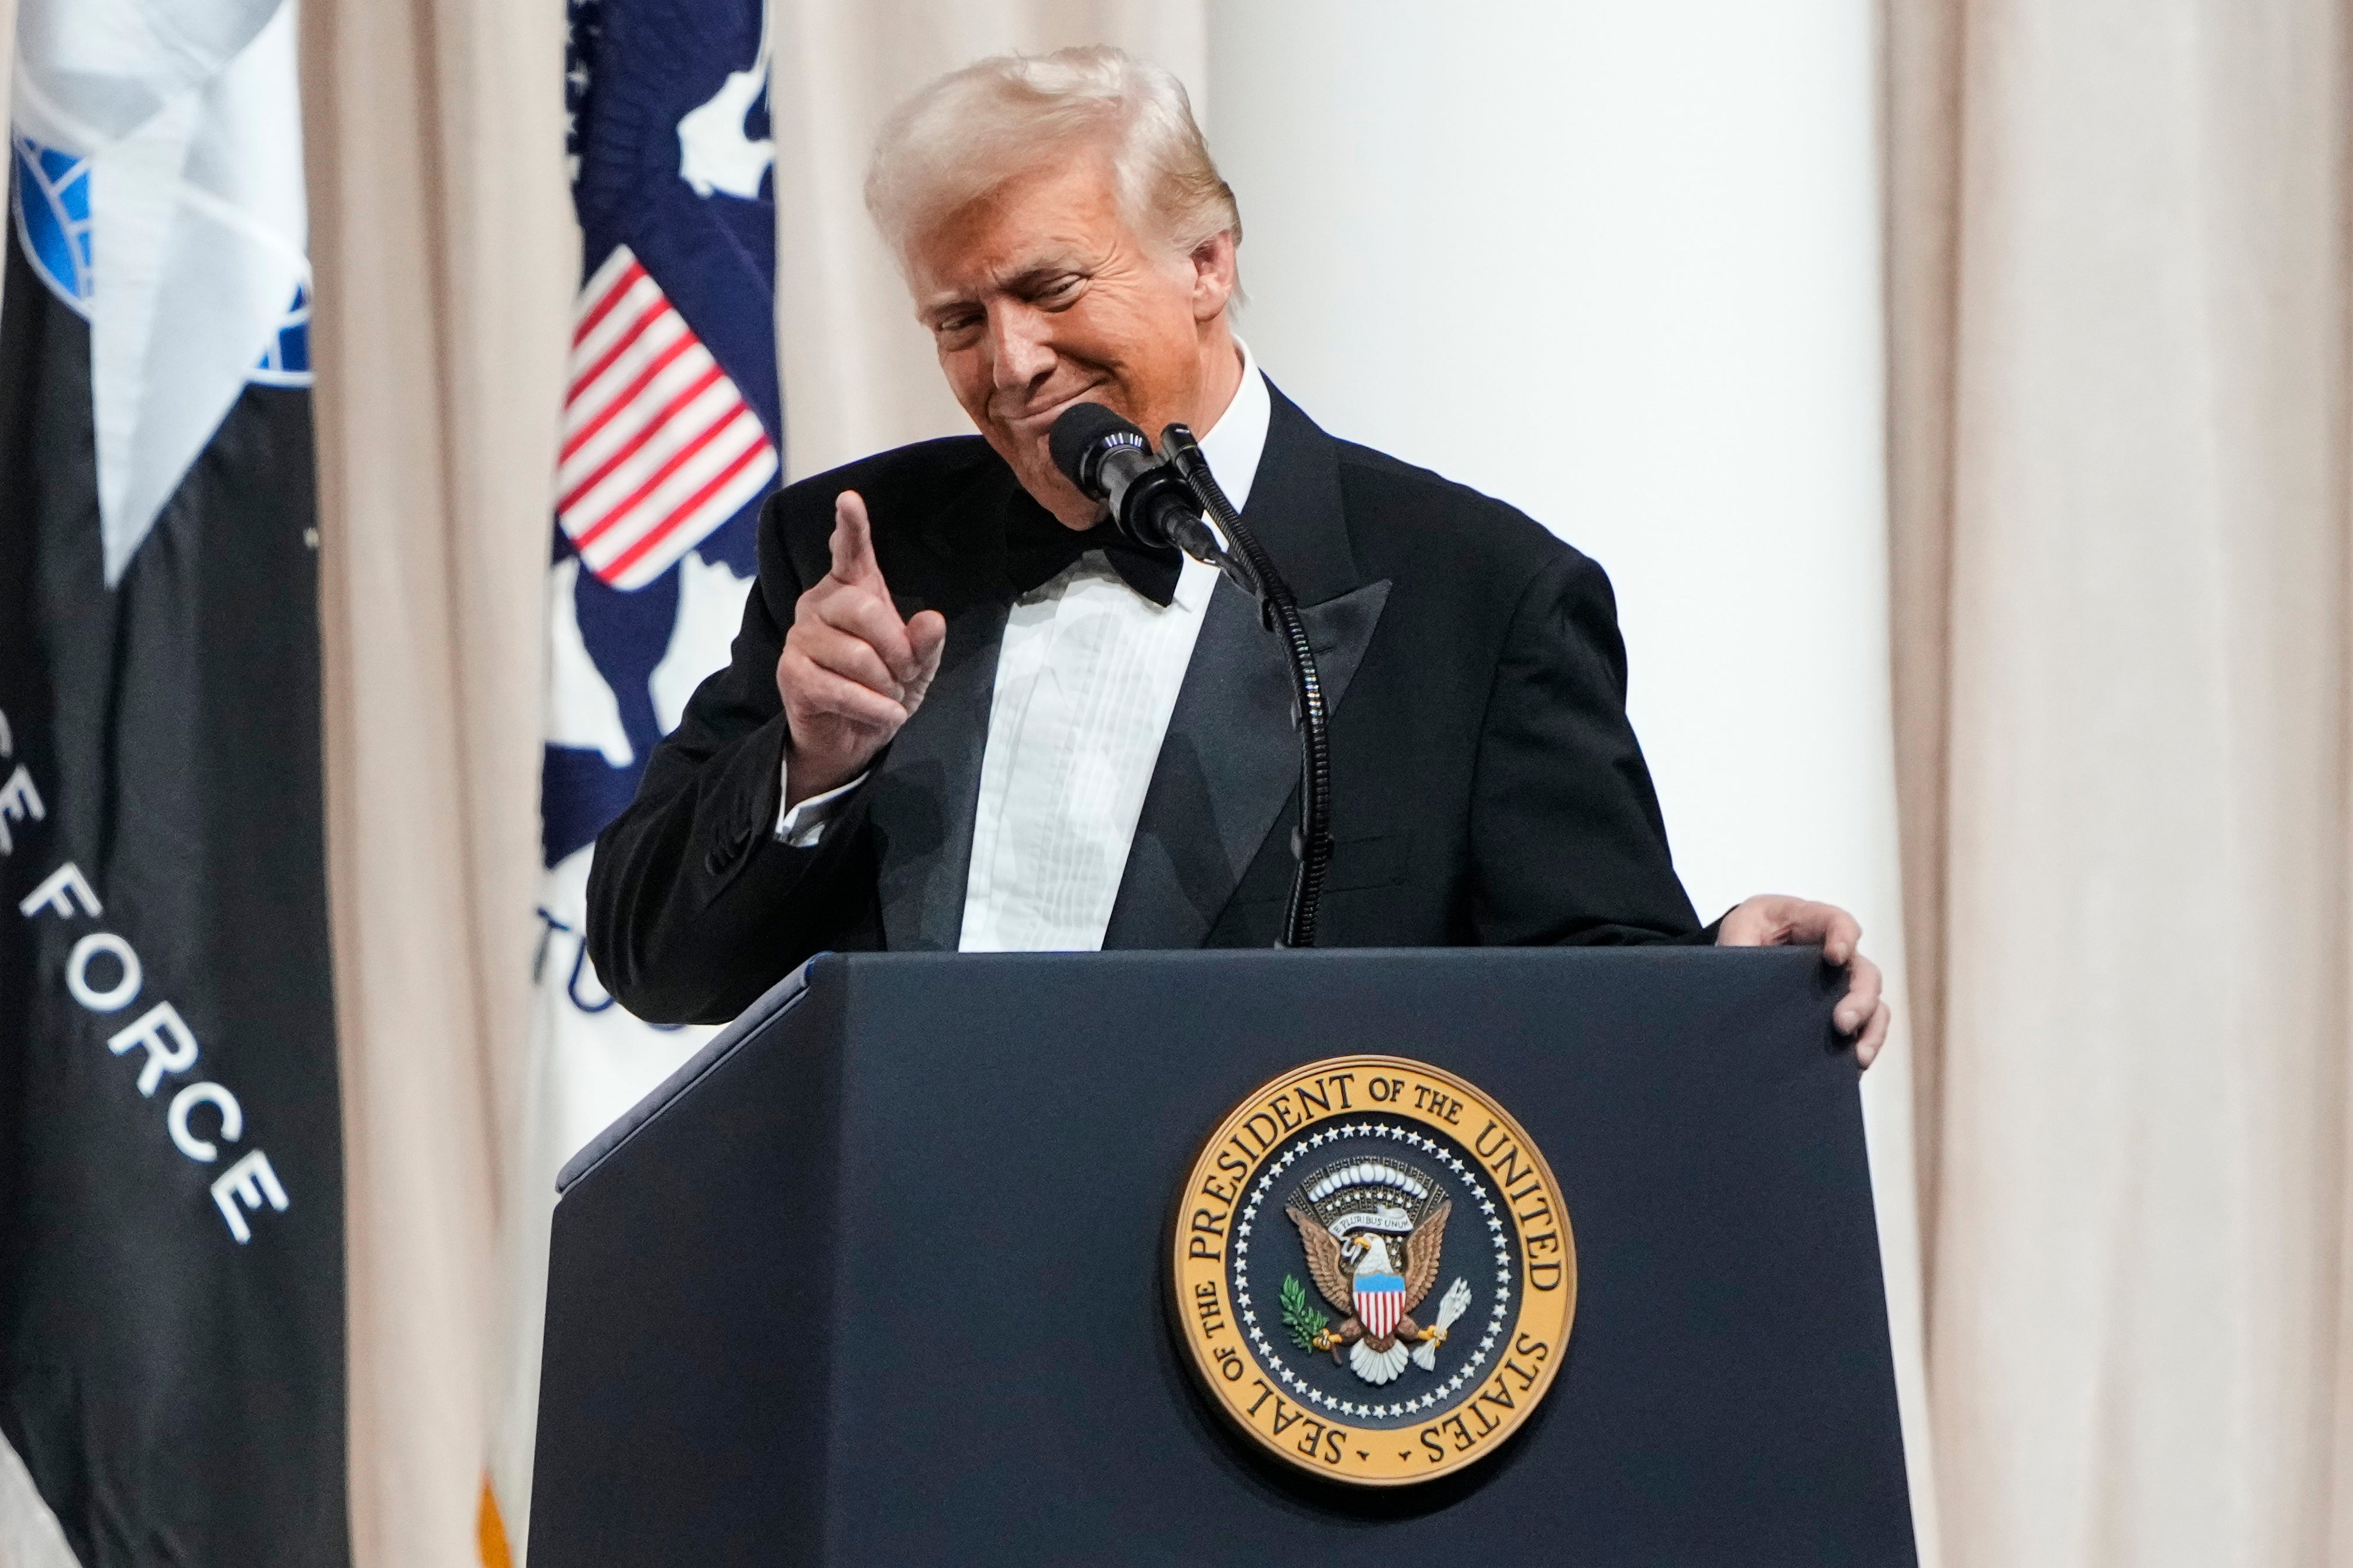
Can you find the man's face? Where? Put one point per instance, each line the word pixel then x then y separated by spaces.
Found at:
pixel 1041 294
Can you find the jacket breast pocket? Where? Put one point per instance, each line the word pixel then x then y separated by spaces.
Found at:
pixel 1379 862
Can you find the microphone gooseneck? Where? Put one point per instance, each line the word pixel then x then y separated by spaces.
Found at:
pixel 1159 502
pixel 1279 612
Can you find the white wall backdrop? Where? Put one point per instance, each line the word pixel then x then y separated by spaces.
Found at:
pixel 1620 264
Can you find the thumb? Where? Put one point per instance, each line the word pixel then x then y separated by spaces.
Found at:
pixel 853 543
pixel 927 634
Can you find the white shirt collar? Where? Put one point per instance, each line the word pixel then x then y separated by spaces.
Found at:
pixel 1237 440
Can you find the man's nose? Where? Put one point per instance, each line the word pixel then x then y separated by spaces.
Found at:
pixel 1020 354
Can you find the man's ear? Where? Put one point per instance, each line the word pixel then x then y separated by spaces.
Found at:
pixel 1216 275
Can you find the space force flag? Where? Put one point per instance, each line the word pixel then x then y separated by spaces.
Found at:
pixel 170 1166
pixel 670 438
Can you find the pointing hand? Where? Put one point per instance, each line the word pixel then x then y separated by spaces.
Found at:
pixel 852 671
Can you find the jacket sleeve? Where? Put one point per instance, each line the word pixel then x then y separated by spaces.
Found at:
pixel 1568 842
pixel 695 905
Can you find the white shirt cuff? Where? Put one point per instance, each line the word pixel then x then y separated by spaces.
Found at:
pixel 801 826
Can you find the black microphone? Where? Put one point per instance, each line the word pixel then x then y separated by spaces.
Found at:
pixel 1151 502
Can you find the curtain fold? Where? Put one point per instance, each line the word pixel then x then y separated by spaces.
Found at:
pixel 1919 120
pixel 2120 282
pixel 446 256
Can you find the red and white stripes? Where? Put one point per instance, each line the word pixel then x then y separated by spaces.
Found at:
pixel 659 446
pixel 1380 1302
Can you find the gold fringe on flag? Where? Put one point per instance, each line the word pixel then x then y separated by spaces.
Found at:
pixel 490 1531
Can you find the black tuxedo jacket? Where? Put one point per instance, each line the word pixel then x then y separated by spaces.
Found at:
pixel 1486 786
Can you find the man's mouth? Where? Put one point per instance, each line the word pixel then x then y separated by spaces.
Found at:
pixel 1035 422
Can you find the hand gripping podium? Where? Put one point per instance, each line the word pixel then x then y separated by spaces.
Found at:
pixel 884 1275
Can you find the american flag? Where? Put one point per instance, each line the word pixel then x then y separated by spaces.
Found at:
pixel 1380 1302
pixel 660 447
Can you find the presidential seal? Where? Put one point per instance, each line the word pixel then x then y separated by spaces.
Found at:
pixel 1374 1271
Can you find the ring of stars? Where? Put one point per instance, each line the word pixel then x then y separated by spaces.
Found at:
pixel 1463 1376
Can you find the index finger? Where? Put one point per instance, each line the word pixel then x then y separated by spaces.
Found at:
pixel 853 542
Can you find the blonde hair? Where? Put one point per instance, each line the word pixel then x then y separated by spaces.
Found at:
pixel 974 129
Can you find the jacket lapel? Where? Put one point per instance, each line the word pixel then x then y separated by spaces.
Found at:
pixel 927 785
pixel 925 792
pixel 1230 759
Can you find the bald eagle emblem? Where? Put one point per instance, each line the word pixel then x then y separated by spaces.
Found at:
pixel 1373 1230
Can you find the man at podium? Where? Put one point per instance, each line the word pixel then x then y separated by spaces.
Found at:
pixel 964 713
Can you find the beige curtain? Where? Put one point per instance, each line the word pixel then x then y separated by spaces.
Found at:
pixel 859 374
pixel 446 255
pixel 2119 288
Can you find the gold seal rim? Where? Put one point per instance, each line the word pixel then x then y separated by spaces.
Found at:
pixel 1205 1362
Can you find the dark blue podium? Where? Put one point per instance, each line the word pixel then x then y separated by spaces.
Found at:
pixel 881 1277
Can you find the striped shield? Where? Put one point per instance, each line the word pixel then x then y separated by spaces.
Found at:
pixel 1380 1302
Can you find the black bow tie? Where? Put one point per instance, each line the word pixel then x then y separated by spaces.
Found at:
pixel 1037 548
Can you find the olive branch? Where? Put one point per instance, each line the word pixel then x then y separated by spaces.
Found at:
pixel 1300 1316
